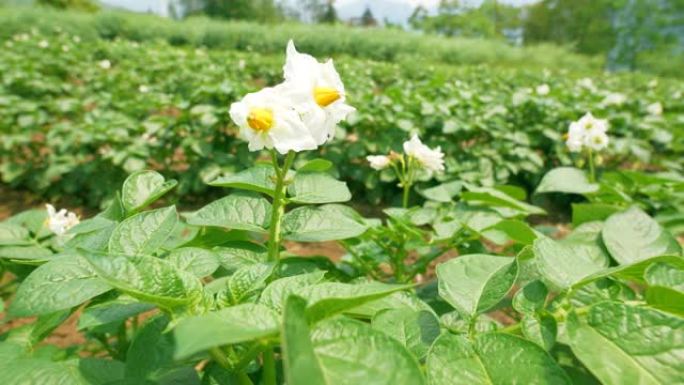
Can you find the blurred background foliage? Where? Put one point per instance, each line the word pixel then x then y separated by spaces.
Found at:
pixel 90 93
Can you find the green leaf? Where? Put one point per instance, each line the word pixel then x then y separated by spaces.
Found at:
pixel 151 351
pixel 14 235
pixel 666 290
pixel 92 234
pixel 275 294
pixel 516 230
pixel 235 255
pixel 531 298
pixel 444 192
pixel 142 188
pixel 246 282
pixel 322 223
pixel 317 187
pixel 330 298
pixel 632 236
pixel 232 325
pixel 26 253
pixel 110 312
pixel 299 360
pixel 350 352
pixel 474 283
pixel 401 300
pixel 195 260
pixel 143 233
pixel 57 285
pixel 33 220
pixel 316 165
pixel 622 344
pixel 664 274
pixel 666 299
pixel 89 371
pixel 492 358
pixel 492 197
pixel 634 271
pixel 148 279
pixel 416 330
pixel 567 180
pixel 236 211
pixel 260 178
pixel 589 212
pixel 561 264
pixel 540 329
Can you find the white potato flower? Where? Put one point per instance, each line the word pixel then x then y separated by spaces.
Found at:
pixel 543 89
pixel 43 44
pixel 105 64
pixel 520 96
pixel 596 140
pixel 614 99
pixel 587 131
pixel 655 109
pixel 589 123
pixel 316 91
pixel 59 222
pixel 379 162
pixel 587 83
pixel 430 159
pixel 267 120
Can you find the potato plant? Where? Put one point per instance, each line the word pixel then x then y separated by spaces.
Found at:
pixel 80 115
pixel 212 296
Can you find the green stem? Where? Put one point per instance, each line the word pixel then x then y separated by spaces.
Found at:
pixel 243 379
pixel 406 180
pixel 122 345
pixel 407 191
pixel 560 316
pixel 269 367
pixel 592 173
pixel 278 204
pixel 220 358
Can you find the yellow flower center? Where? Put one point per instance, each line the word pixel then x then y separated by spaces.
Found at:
pixel 589 125
pixel 325 96
pixel 260 119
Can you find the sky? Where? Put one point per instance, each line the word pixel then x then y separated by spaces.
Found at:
pixel 394 10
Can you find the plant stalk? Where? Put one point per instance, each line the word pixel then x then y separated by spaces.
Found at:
pixel 278 209
pixel 405 199
pixel 592 173
pixel 269 367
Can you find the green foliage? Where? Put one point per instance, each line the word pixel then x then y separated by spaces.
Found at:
pixel 471 286
pixel 166 108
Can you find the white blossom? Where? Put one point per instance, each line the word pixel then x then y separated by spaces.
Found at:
pixel 543 89
pixel 379 162
pixel 316 92
pixel 267 119
pixel 43 44
pixel 589 132
pixel 430 159
pixel 596 140
pixel 655 109
pixel 614 99
pixel 105 64
pixel 59 222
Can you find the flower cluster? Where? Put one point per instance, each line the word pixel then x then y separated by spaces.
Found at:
pixel 431 159
pixel 587 132
pixel 59 222
pixel 299 114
